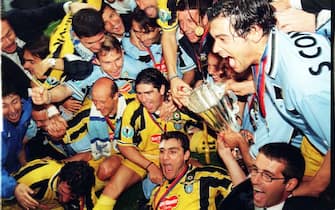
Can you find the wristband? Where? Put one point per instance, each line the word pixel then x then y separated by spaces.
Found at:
pixel 52 111
pixel 173 76
pixel 146 168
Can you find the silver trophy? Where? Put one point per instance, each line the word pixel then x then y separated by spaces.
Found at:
pixel 216 106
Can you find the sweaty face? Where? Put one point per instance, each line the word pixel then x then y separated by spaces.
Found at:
pixel 64 192
pixel 103 101
pixel 30 61
pixel 8 37
pixel 150 97
pixel 146 38
pixel 239 51
pixel 268 193
pixel 12 108
pixel 111 62
pixel 188 22
pixel 113 22
pixel 93 43
pixel 172 158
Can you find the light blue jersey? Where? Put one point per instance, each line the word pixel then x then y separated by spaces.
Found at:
pixel 297 81
pixel 274 128
pixel 130 69
pixel 156 60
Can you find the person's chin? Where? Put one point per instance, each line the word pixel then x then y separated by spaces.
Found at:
pixel 193 38
pixel 10 50
pixel 14 119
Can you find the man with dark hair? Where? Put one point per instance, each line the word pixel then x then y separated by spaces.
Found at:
pixel 34 52
pixel 56 184
pixel 186 186
pixel 117 25
pixel 284 67
pixel 113 63
pixel 88 27
pixel 276 172
pixel 197 42
pixel 75 48
pixel 20 26
pixel 16 114
pixel 143 122
pixel 144 45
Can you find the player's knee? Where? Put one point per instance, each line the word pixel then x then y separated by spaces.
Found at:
pixel 104 172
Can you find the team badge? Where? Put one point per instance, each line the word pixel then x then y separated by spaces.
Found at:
pixel 127 132
pixel 177 123
pixel 188 188
pixel 188 185
pixel 164 15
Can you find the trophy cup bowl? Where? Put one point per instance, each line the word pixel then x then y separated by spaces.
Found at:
pixel 217 107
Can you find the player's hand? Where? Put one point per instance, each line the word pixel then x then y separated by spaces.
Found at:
pixel 167 110
pixel 230 138
pixel 39 95
pixel 72 105
pixel 295 20
pixel 241 88
pixel 56 127
pixel 223 149
pixel 155 174
pixel 180 91
pixel 23 195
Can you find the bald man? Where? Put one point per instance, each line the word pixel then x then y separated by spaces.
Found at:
pixel 105 122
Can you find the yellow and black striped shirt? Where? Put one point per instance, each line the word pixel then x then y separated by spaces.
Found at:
pixel 197 189
pixel 41 176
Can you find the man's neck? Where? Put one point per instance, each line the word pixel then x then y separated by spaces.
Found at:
pixel 260 48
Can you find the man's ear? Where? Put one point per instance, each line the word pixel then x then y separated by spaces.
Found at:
pixel 291 184
pixel 187 155
pixel 255 34
pixel 162 90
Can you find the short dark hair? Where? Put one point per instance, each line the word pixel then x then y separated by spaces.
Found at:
pixel 154 77
pixel 9 88
pixel 180 136
pixel 244 14
pixel 39 47
pixel 79 175
pixel 287 154
pixel 145 22
pixel 104 5
pixel 200 5
pixel 87 23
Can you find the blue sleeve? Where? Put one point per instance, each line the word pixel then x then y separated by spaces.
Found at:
pixel 80 87
pixel 316 111
pixel 8 184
